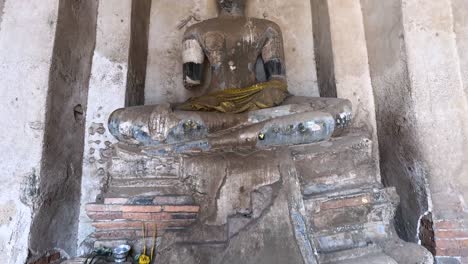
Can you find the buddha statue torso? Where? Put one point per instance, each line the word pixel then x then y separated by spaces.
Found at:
pixel 233 46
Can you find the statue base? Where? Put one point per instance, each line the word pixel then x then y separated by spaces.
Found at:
pixel 315 203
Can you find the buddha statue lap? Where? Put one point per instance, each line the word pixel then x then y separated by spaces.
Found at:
pixel 245 107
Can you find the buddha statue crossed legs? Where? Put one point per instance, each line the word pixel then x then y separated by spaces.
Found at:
pixel 245 106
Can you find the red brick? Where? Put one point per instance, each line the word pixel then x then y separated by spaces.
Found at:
pixel 113 225
pixel 142 208
pixel 442 234
pixel 452 247
pixel 181 209
pixel 99 216
pixel 350 202
pixel 449 224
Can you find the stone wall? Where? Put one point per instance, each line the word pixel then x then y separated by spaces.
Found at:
pixel 401 161
pixel 107 92
pixel 169 20
pixel 26 44
pixel 459 8
pixel 417 65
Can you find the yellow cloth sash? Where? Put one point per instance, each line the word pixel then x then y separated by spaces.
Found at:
pixel 238 100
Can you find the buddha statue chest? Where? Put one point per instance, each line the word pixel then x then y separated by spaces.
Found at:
pixel 232 47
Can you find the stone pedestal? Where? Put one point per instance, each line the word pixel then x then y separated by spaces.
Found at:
pixel 298 204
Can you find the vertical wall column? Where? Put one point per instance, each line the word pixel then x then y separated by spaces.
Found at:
pixel 27 33
pixel 138 57
pixel 460 8
pixel 107 92
pixel 440 106
pixel 323 48
pixel 56 220
pixel 401 160
pixel 351 64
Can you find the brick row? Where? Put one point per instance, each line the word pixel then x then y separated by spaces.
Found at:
pixel 452 247
pixel 142 208
pixel 103 216
pixel 124 234
pixel 128 225
pixel 156 200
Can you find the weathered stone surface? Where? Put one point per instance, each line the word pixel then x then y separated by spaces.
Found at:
pixel 349 164
pixel 252 208
pixel 107 91
pixel 371 259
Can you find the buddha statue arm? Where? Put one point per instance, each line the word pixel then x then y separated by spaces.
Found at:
pixel 193 58
pixel 273 55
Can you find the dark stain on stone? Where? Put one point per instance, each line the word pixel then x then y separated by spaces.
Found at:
pixel 426 233
pixel 30 189
pixel 78 113
pixel 2 5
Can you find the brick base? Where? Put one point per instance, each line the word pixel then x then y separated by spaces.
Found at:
pixel 123 219
pixel 451 240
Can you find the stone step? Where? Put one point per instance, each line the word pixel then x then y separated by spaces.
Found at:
pixel 341 163
pixel 130 191
pixel 151 200
pixel 342 255
pixel 378 258
pixel 352 237
pixel 352 219
pixel 393 251
pixel 352 209
pixel 144 182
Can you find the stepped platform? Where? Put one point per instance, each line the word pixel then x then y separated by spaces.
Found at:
pixel 315 203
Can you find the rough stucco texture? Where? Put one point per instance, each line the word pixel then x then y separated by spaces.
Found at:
pixel 460 8
pixel 56 222
pixel 164 70
pixel 439 103
pixel 24 77
pixel 401 162
pixel 106 93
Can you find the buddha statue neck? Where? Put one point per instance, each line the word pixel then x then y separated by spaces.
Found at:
pixel 231 8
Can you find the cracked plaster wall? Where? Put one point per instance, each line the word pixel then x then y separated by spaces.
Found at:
pixel 418 73
pixel 460 8
pixel 169 20
pixel 401 160
pixel 24 78
pixel 107 92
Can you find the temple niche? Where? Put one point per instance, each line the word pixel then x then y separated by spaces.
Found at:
pixel 234 158
pixel 234 131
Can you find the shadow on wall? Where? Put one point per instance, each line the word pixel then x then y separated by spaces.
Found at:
pixel 401 164
pixel 56 217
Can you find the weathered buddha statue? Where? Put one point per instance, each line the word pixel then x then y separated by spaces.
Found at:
pixel 248 103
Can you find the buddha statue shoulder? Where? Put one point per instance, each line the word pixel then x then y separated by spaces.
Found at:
pixel 247 103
